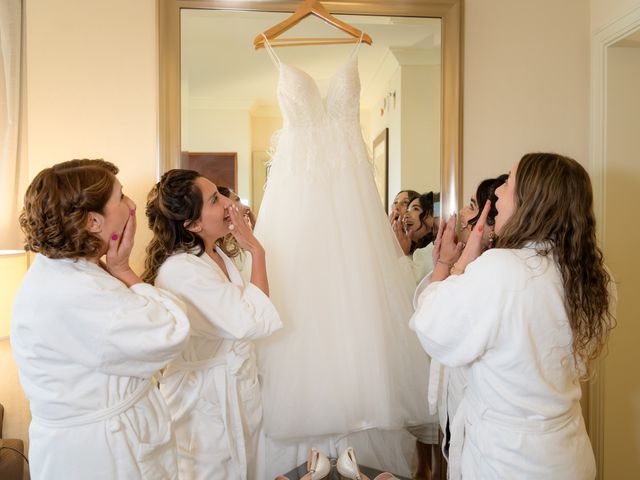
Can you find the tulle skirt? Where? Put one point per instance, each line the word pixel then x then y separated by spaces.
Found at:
pixel 346 359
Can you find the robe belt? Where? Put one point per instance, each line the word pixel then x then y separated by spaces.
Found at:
pixel 435 372
pixel 471 404
pixel 225 376
pixel 138 394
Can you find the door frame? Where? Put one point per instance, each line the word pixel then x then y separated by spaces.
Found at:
pixel 601 40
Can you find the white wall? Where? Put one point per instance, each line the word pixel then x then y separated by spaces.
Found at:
pixel 92 77
pixel 622 387
pixel 212 130
pixel 526 83
pixel 420 128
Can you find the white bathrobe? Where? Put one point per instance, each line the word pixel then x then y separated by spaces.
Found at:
pixel 519 416
pixel 86 347
pixel 212 389
pixel 446 384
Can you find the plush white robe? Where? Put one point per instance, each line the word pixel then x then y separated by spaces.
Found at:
pixel 421 262
pixel 505 320
pixel 446 384
pixel 212 389
pixel 86 347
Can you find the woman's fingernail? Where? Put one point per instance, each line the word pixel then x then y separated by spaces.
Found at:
pixel 114 236
pixel 480 228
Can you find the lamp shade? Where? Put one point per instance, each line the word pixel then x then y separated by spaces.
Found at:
pixel 13 266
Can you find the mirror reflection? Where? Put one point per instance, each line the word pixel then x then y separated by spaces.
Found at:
pixel 229 109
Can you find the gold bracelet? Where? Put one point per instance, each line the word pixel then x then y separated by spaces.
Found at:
pixel 454 270
pixel 449 265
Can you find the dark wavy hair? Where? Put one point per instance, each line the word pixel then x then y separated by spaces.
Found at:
pixel 487 191
pixel 172 202
pixel 57 204
pixel 554 205
pixel 426 201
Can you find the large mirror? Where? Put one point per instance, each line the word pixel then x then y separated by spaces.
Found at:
pixel 218 95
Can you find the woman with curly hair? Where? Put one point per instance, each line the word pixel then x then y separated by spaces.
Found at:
pixel 525 319
pixel 212 389
pixel 420 227
pixel 88 336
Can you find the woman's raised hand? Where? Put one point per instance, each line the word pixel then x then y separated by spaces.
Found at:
pixel 435 253
pixel 401 235
pixel 449 248
pixel 474 246
pixel 242 231
pixel 119 251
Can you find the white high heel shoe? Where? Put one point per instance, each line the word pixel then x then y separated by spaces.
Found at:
pixel 318 466
pixel 348 468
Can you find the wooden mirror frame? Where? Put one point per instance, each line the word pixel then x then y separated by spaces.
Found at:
pixel 449 11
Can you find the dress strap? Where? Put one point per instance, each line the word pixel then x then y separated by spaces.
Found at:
pixel 271 51
pixel 357 47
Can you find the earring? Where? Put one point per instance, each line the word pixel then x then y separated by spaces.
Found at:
pixel 492 238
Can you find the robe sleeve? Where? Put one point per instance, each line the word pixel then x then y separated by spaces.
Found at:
pixel 457 319
pixel 217 307
pixel 146 330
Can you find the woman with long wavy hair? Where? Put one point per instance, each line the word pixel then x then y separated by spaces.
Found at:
pixel 212 389
pixel 525 319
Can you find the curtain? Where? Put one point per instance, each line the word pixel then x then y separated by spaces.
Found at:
pixel 12 158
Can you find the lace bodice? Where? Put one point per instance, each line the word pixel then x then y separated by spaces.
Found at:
pixel 302 104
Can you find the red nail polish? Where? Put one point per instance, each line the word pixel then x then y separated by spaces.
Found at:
pixel 114 236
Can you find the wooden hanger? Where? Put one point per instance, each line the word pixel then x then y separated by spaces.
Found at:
pixel 306 8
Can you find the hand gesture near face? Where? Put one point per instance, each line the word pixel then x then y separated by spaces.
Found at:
pixel 242 230
pixel 474 246
pixel 447 248
pixel 119 251
pixel 401 235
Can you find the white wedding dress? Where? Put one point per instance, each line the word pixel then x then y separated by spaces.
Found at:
pixel 345 360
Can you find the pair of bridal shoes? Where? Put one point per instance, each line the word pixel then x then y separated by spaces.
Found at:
pixel 348 468
pixel 318 466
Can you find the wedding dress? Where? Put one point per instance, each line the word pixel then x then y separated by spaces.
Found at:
pixel 345 360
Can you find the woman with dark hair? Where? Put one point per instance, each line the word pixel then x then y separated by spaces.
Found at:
pixel 470 214
pixel 212 389
pixel 420 227
pixel 249 216
pixel 396 216
pixel 88 336
pixel 529 334
pixel 400 204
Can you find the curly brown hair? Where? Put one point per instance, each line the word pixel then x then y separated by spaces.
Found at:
pixel 554 205
pixel 174 200
pixel 57 204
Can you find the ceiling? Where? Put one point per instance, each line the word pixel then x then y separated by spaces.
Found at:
pixel 221 68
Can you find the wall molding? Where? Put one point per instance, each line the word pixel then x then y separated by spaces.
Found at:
pixel 601 40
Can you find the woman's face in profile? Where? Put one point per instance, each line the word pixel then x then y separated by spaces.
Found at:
pixel 400 204
pixel 413 226
pixel 214 220
pixel 115 213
